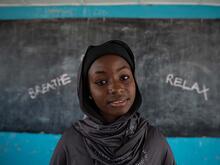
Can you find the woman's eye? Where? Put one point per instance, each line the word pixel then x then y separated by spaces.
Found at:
pixel 124 77
pixel 101 82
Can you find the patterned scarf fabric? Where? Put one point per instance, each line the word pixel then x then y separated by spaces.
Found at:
pixel 118 143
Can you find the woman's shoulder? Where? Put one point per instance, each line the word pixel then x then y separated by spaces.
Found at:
pixel 71 136
pixel 73 142
pixel 157 147
pixel 155 138
pixel 70 149
pixel 154 132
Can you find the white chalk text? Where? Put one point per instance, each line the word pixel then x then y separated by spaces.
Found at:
pixel 181 83
pixel 53 84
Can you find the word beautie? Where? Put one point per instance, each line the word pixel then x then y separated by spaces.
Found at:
pixel 179 82
pixel 62 80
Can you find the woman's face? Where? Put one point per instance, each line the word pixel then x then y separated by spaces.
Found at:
pixel 112 86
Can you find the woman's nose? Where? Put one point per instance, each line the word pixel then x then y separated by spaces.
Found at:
pixel 115 88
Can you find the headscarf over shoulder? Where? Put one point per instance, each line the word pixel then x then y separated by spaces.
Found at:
pixel 120 142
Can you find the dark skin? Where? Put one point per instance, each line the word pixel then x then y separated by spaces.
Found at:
pixel 112 86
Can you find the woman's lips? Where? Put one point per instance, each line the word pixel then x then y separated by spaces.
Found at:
pixel 119 103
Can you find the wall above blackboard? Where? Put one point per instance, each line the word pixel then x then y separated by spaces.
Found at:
pixel 178 63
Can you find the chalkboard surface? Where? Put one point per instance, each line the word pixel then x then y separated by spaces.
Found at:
pixel 178 63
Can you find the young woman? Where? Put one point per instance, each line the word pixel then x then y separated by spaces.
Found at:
pixel 113 133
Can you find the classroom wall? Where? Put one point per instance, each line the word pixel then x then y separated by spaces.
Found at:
pixel 36 148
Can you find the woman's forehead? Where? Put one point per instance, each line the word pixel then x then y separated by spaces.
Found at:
pixel 107 62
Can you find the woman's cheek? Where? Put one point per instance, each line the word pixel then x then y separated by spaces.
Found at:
pixel 97 93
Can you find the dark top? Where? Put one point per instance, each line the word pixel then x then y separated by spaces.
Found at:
pixel 71 149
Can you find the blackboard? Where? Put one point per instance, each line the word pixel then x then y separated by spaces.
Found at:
pixel 178 63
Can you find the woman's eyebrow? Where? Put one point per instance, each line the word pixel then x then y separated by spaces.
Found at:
pixel 123 67
pixel 100 72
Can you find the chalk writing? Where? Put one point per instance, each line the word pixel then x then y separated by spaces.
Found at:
pixel 62 80
pixel 180 82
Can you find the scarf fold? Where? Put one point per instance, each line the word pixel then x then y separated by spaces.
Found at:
pixel 118 143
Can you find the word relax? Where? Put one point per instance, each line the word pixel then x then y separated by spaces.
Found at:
pixel 62 80
pixel 179 82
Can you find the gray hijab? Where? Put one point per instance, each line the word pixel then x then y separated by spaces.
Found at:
pixel 120 142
